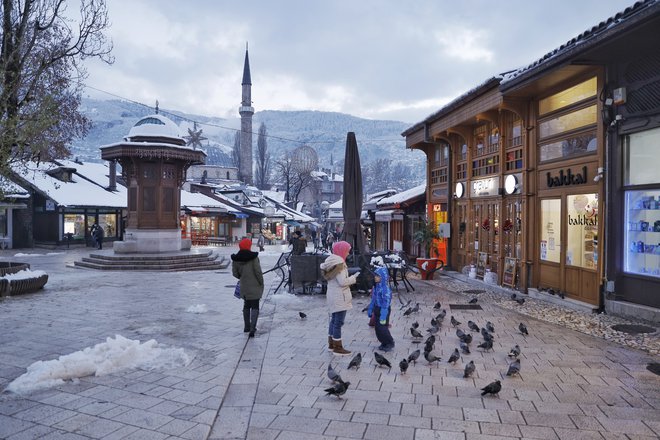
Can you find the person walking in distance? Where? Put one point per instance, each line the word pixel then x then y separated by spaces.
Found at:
pixel 247 268
pixel 338 297
pixel 261 242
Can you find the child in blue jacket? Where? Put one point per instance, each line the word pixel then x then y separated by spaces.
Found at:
pixel 379 307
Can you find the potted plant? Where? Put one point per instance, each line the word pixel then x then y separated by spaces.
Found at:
pixel 425 236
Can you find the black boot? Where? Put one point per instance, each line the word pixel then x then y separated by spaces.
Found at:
pixel 254 315
pixel 246 320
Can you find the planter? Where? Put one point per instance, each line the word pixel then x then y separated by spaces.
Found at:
pixel 427 267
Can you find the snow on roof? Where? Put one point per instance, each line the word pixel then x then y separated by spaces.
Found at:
pixel 403 196
pixel 275 195
pixel 78 192
pixel 155 126
pixel 289 213
pixel 335 205
pixel 199 200
pixel 11 190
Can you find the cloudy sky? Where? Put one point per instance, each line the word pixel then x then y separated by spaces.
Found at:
pixel 386 59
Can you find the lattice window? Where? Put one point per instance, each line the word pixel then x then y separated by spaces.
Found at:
pixel 514 159
pixel 439 175
pixel 461 171
pixel 169 172
pixel 486 166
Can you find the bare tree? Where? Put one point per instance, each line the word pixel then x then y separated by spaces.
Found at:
pixel 41 75
pixel 293 180
pixel 236 153
pixel 263 159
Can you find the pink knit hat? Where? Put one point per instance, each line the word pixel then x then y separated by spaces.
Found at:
pixel 341 248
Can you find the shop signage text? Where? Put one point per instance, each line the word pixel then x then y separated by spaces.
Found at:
pixel 567 179
pixel 582 220
pixel 485 187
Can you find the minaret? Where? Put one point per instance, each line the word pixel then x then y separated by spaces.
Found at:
pixel 246 111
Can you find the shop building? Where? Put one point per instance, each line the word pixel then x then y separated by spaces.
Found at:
pixel 548 172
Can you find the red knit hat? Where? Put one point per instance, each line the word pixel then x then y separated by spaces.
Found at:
pixel 245 244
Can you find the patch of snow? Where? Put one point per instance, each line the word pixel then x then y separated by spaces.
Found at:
pixel 285 298
pixel 197 308
pixel 108 357
pixel 24 274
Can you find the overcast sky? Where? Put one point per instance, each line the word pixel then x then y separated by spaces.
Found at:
pixel 389 59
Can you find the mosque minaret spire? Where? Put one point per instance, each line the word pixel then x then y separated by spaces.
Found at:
pixel 246 111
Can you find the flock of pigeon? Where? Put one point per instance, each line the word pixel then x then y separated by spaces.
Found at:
pixel 465 340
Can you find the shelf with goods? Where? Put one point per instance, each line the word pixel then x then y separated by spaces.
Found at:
pixel 642 235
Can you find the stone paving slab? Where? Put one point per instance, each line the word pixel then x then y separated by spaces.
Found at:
pixel 571 386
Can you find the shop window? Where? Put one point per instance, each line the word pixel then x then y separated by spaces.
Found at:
pixel 109 224
pixel 642 236
pixel 567 97
pixel 582 230
pixel 74 224
pixel 550 245
pixel 641 157
pixel 486 166
pixel 571 146
pixel 514 159
pixel 568 122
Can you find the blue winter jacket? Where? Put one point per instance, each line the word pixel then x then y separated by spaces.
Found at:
pixel 382 295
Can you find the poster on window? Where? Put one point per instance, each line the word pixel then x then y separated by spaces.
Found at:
pixel 544 250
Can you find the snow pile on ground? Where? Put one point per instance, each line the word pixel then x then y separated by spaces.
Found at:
pixel 21 254
pixel 197 308
pixel 112 356
pixel 24 274
pixel 285 298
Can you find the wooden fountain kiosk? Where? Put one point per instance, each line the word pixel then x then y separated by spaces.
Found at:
pixel 154 159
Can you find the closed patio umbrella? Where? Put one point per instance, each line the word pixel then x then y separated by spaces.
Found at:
pixel 352 198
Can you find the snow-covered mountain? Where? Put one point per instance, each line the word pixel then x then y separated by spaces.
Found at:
pixel 324 131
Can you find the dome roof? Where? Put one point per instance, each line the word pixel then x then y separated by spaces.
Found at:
pixel 155 126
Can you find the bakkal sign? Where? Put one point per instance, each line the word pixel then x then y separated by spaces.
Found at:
pixel 568 178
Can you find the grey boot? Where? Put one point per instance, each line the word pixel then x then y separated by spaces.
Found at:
pixel 246 320
pixel 254 315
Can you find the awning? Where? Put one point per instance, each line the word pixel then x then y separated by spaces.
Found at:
pixel 240 215
pixel 292 223
pixel 384 216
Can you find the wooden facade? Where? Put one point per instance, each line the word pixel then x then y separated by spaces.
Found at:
pixel 551 172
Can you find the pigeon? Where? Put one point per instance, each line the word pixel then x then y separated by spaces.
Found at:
pixel 365 309
pixel 430 357
pixel 433 330
pixel 465 348
pixel 454 322
pixel 469 369
pixel 416 308
pixel 408 312
pixel 428 347
pixel 520 301
pixel 441 316
pixel 514 296
pixel 381 360
pixel 473 300
pixel 415 333
pixel 454 356
pixel 415 325
pixel 434 322
pixel 355 362
pixel 412 357
pixel 515 351
pixel 523 329
pixel 486 334
pixel 437 306
pixel 562 295
pixel 302 315
pixel 492 388
pixel 333 375
pixel 490 327
pixel 514 368
pixel 459 333
pixel 474 327
pixel 337 390
pixel 403 306
pixel 403 365
pixel 551 291
pixel 467 338
pixel 430 340
pixel 486 345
